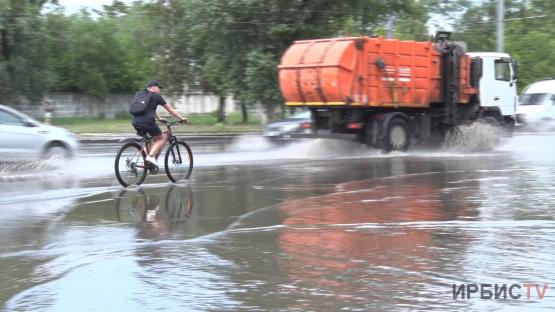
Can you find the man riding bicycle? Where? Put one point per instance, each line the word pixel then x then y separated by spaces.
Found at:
pixel 146 123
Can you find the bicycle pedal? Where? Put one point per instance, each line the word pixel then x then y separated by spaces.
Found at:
pixel 153 169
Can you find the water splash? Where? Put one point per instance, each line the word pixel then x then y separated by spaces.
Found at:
pixel 251 143
pixel 13 170
pixel 326 148
pixel 475 137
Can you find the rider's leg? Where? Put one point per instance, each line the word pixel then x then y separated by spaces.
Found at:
pixel 157 139
pixel 158 143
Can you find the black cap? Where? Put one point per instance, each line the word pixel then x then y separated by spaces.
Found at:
pixel 153 83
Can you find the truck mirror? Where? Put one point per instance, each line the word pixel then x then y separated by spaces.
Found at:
pixel 514 65
pixel 475 71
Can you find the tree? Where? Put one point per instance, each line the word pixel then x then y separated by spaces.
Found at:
pixel 116 50
pixel 238 44
pixel 529 34
pixel 22 66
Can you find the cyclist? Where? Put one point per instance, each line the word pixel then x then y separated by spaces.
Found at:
pixel 146 123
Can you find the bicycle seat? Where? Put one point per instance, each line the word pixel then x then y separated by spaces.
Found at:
pixel 146 136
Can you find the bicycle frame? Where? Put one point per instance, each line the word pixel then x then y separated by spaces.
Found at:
pixel 167 136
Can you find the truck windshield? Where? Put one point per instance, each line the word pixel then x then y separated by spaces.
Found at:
pixel 532 98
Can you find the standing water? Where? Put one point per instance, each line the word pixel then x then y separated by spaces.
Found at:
pixel 310 226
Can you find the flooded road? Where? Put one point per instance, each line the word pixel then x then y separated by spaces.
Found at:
pixel 312 226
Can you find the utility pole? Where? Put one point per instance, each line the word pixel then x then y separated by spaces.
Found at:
pixel 500 24
pixel 389 27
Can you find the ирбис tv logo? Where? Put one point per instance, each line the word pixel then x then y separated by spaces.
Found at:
pixel 530 291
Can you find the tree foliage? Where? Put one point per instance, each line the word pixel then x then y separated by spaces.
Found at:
pixel 234 46
pixel 529 34
pixel 22 66
pixel 113 52
pixel 238 43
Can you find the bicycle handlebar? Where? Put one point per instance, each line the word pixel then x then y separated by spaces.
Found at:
pixel 171 123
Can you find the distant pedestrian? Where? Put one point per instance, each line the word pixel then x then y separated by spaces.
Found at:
pixel 48 109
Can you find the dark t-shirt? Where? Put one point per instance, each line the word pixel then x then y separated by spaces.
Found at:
pixel 148 117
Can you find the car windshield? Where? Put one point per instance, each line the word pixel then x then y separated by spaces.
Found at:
pixel 23 115
pixel 532 98
pixel 302 115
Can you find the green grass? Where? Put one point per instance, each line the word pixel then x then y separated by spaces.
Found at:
pixel 197 124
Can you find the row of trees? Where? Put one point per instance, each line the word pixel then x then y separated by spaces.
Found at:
pixel 233 46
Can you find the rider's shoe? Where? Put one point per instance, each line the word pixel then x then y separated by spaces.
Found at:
pixel 151 160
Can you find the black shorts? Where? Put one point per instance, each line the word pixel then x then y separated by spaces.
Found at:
pixel 147 127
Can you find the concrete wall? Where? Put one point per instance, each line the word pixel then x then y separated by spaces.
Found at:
pixel 199 103
pixel 114 105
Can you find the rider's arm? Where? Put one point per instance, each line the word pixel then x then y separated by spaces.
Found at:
pixel 172 111
pixel 157 117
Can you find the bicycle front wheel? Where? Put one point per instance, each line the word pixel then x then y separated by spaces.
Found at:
pixel 130 165
pixel 179 161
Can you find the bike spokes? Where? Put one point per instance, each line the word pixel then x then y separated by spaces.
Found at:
pixel 130 165
pixel 179 161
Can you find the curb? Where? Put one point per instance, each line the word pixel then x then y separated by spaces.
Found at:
pixel 111 138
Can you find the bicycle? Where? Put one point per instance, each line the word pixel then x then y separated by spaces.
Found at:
pixel 131 167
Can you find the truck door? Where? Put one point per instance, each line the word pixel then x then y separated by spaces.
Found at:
pixel 497 86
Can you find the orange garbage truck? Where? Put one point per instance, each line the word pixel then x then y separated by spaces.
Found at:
pixel 392 94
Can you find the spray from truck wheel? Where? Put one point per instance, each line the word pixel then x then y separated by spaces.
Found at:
pixel 474 137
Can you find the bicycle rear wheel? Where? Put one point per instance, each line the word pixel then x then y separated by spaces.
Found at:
pixel 178 161
pixel 130 165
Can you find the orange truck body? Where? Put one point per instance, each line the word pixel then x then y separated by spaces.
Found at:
pixel 366 72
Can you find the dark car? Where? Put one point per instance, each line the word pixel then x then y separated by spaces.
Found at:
pixel 286 129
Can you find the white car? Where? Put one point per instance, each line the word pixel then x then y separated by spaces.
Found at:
pixel 536 105
pixel 22 137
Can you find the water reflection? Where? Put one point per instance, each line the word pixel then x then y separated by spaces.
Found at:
pixel 375 232
pixel 155 217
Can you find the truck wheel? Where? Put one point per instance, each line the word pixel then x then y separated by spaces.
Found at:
pixel 498 129
pixel 490 120
pixel 396 136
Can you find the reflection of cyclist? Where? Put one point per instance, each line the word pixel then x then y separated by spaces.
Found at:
pixel 146 210
pixel 146 123
pixel 154 225
pixel 151 209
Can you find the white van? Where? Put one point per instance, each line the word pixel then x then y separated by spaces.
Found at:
pixel 536 104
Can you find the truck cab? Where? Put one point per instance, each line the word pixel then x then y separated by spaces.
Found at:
pixel 497 84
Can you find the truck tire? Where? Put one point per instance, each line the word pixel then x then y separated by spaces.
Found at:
pixel 396 136
pixel 490 120
pixel 504 127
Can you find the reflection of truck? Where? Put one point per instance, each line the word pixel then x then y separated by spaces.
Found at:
pixel 537 103
pixel 387 92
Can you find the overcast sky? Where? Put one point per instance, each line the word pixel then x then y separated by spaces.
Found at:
pixel 73 6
